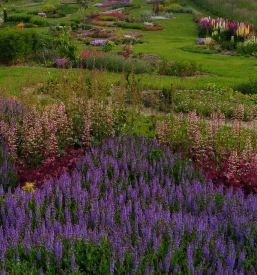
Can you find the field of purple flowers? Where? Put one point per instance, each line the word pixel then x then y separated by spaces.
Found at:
pixel 129 207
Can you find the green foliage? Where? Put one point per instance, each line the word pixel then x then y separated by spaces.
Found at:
pixel 40 21
pixel 247 48
pixel 179 68
pixel 108 46
pixel 17 18
pixel 67 47
pixel 17 44
pixel 115 63
pixel 194 49
pixel 228 45
pixel 124 25
pixel 28 25
pixel 145 14
pixel 108 18
pixel 184 10
pixel 249 87
pixel 210 100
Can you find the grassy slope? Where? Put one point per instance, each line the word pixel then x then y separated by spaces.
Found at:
pixel 182 31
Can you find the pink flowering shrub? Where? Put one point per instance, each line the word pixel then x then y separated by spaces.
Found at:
pixel 228 156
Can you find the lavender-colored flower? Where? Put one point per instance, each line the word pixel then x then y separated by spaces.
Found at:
pixel 73 263
pixel 41 14
pixel 60 61
pixel 58 249
pixel 201 41
pixel 99 42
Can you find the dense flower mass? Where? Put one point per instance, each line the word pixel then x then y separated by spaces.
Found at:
pixel 221 25
pixel 129 208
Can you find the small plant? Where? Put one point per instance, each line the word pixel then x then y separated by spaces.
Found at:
pixel 108 46
pixel 127 51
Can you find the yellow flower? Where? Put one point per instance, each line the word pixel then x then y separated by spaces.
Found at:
pixel 21 25
pixel 29 186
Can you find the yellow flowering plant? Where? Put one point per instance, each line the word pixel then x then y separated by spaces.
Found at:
pixel 29 187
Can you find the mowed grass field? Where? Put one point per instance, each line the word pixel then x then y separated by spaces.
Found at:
pixel 221 70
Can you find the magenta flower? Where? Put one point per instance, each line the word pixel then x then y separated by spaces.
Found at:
pixel 60 61
pixel 41 14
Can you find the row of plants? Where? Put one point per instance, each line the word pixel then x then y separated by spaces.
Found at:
pixel 209 100
pixel 228 34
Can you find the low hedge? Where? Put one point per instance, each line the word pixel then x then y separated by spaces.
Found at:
pixel 17 44
pixel 136 26
pixel 17 18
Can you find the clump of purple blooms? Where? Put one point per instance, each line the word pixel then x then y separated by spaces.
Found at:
pixel 8 171
pixel 60 62
pixel 99 42
pixel 130 207
pixel 201 41
pixel 41 14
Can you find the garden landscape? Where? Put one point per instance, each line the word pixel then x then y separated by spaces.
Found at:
pixel 128 137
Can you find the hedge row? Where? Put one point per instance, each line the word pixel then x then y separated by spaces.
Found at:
pixel 17 44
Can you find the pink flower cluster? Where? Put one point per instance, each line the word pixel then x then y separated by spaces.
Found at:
pixel 41 14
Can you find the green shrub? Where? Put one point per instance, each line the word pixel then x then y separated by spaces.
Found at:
pixel 247 48
pixel 123 25
pixel 67 9
pixel 17 44
pixel 33 12
pixel 249 87
pixel 28 25
pixel 179 68
pixel 228 45
pixel 17 18
pixel 145 14
pixel 115 63
pixel 40 21
pixel 108 18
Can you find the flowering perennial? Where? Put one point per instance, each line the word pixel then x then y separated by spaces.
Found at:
pixel 41 14
pixel 148 211
pixel 60 61
pixel 220 25
pixel 99 42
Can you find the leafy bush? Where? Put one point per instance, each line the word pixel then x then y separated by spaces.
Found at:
pixel 107 18
pixel 179 68
pixel 123 25
pixel 145 14
pixel 28 25
pixel 40 21
pixel 17 44
pixel 19 18
pixel 249 47
pixel 184 10
pixel 228 45
pixel 115 63
pixel 249 87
